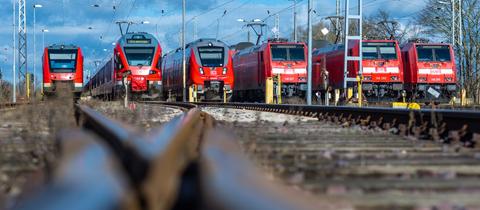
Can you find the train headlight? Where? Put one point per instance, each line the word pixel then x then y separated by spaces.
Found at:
pixel 367 78
pixel 201 70
pixel 422 79
pixel 224 70
pixel 152 72
pixel 394 78
pixel 449 79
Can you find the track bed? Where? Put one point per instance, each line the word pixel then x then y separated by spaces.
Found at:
pixel 366 169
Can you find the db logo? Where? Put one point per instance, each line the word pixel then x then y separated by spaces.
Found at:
pixel 213 72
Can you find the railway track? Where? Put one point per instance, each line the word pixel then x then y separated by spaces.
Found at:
pixel 372 170
pixel 10 105
pixel 186 164
pixel 191 163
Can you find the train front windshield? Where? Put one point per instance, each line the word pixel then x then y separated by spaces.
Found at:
pixel 433 53
pixel 288 53
pixel 212 56
pixel 62 61
pixel 379 50
pixel 139 56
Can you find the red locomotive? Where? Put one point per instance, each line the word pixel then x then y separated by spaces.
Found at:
pixel 62 66
pixel 209 71
pixel 430 72
pixel 135 66
pixel 253 65
pixel 382 69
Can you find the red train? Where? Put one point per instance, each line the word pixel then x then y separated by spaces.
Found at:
pixel 135 66
pixel 252 66
pixel 62 66
pixel 383 77
pixel 209 71
pixel 430 72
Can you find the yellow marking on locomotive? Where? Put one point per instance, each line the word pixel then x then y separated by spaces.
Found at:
pixel 403 105
pixel 269 90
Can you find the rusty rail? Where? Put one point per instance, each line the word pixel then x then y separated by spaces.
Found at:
pixel 10 105
pixel 437 124
pixel 186 164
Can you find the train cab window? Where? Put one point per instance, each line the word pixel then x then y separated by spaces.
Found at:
pixel 62 61
pixel 212 56
pixel 139 56
pixel 288 52
pixel 379 50
pixel 433 53
pixel 388 52
pixel 443 54
pixel 370 53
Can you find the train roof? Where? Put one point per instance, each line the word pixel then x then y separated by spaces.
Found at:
pixel 380 40
pixel 206 42
pixel 269 41
pixel 200 43
pixel 409 45
pixel 138 39
pixel 62 46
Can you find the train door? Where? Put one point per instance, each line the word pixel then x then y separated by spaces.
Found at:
pixel 260 68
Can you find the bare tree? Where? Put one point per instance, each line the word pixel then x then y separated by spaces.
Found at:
pixel 436 19
pixel 5 89
pixel 382 26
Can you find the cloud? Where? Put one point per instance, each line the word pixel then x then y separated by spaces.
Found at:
pixel 93 28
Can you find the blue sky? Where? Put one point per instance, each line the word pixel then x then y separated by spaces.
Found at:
pixel 92 28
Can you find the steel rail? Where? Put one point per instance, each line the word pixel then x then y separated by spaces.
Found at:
pixel 230 181
pixel 418 122
pixel 154 162
pixel 88 177
pixel 10 105
pixel 186 164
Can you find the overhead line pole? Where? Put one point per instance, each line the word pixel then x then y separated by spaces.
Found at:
pixel 309 67
pixel 295 36
pixel 22 44
pixel 14 52
pixel 184 69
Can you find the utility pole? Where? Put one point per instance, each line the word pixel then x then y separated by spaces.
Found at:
pixel 309 52
pixel 195 29
pixel 218 28
pixel 338 21
pixel 295 36
pixel 184 68
pixel 22 43
pixel 457 33
pixel 14 53
pixel 35 6
pixel 277 26
pixel 43 38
